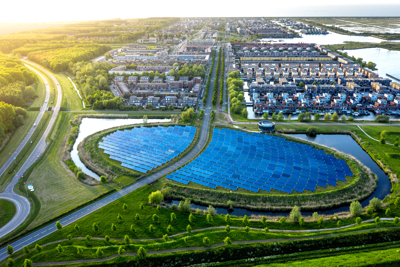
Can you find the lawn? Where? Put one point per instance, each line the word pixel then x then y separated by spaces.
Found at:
pixel 7 211
pixel 71 100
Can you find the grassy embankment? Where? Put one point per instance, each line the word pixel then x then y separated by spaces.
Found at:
pixel 7 211
pixel 71 100
pixel 359 45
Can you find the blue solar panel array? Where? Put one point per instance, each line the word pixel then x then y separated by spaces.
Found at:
pixel 256 162
pixel 143 149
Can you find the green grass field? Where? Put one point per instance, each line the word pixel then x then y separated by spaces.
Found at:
pixel 7 211
pixel 71 100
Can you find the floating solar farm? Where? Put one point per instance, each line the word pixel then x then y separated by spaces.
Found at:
pixel 256 162
pixel 143 149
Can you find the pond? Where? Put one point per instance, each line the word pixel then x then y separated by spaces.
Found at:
pixel 327 39
pixel 90 126
pixel 343 143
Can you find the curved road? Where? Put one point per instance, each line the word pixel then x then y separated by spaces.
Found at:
pixel 21 203
pixel 39 234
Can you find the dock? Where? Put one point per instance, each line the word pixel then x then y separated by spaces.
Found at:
pixel 391 76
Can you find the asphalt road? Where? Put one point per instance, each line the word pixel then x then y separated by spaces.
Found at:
pixel 47 230
pixel 22 204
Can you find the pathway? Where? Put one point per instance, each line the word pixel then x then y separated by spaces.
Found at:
pixel 387 143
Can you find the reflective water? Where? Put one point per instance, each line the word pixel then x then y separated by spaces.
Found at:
pixel 386 61
pixel 90 126
pixel 331 38
pixel 343 143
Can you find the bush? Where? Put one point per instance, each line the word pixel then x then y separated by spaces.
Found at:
pixel 295 214
pixel 335 117
pixel 80 175
pixel 312 131
pixel 103 179
pixel 356 209
pixel 156 197
pixel 206 241
pixel 211 210
pixel 350 118
pixel 184 206
pixel 358 220
pixel 382 118
pixel 376 204
pixel 227 241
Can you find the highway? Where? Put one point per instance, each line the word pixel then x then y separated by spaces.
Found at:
pixel 22 204
pixel 47 230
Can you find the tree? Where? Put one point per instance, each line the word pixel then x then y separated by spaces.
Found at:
pixel 245 220
pixel 228 229
pixel 141 206
pixel 301 221
pixel 211 210
pixel 173 217
pixel 350 118
pixel 119 218
pixel 79 250
pixel 124 206
pixel 189 229
pixel 156 197
pixel 301 84
pixel 88 238
pixel 266 115
pixel 169 228
pixel 10 250
pixel 377 220
pixel 327 117
pixel 280 117
pixel 227 218
pixel 121 250
pixel 155 218
pixel 312 131
pixel 27 263
pixel 338 223
pixel 95 227
pixel 376 204
pixel 263 220
pixel 315 215
pixel 282 220
pixel 103 179
pixel 165 237
pixel 266 229
pixel 295 214
pixel 206 241
pixel 388 212
pixel 227 241
pixel 113 227
pixel 230 203
pixel 317 116
pixel 99 252
pixel 247 230
pixel 343 118
pixel 133 228
pixel 382 141
pixel 76 227
pixel 191 218
pixel 127 240
pixel 59 225
pixel 184 205
pixel 335 117
pixel 107 239
pixel 245 113
pixel 142 253
pixel 209 218
pixel 38 248
pixel 356 209
pixel 10 262
pixel 300 117
pixel 137 217
pixel 25 249
pixel 151 228
pixel 60 249
pixel 396 221
pixel 320 221
pixel 358 220
pixel 145 119
pixel 370 211
pixel 290 117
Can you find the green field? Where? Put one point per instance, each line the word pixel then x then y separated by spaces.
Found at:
pixel 7 211
pixel 71 100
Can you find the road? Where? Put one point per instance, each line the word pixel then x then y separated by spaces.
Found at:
pixel 21 203
pixel 47 230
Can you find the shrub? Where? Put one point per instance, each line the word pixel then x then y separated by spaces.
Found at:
pixel 245 220
pixel 191 218
pixel 315 215
pixel 301 221
pixel 350 118
pixel 10 262
pixel 113 227
pixel 133 228
pixel 206 241
pixel 88 238
pixel 184 206
pixel 169 228
pixel 156 197
pixel 10 250
pixel 339 223
pixel 95 227
pixel 382 118
pixel 230 203
pixel 282 220
pixel 60 249
pixel 356 208
pixel 99 252
pixel 312 131
pixel 107 239
pixel 142 253
pixel 173 217
pixel 76 227
pixel 27 263
pixel 127 240
pixel 266 229
pixel 343 118
pixel 228 229
pixel 295 214
pixel 227 218
pixel 151 228
pixel 103 179
pixel 263 220
pixel 25 249
pixel 38 248
pixel 358 220
pixel 335 117
pixel 377 220
pixel 137 217
pixel 227 241
pixel 124 206
pixel 121 250
pixel 388 212
pixel 209 218
pixel 155 218
pixel 59 225
pixel 376 204
pixel 396 221
pixel 189 229
pixel 247 230
pixel 382 141
pixel 174 207
pixel 211 210
pixel 320 221
pixel 165 238
pixel 166 191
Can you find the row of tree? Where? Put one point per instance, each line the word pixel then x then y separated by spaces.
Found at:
pixel 216 81
pixel 236 94
pixel 190 71
pixel 10 118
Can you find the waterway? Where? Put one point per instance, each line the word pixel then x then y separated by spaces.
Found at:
pixel 90 126
pixel 343 143
pixel 327 39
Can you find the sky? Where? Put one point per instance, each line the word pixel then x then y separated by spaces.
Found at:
pixel 81 10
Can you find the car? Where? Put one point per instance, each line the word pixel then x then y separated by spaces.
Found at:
pixel 34 125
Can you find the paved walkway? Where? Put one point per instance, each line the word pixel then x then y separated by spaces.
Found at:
pixel 387 143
